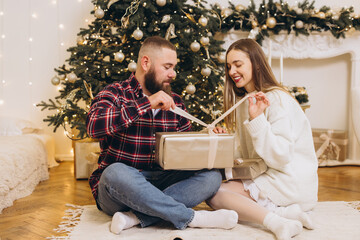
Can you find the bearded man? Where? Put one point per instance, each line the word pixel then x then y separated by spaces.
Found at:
pixel 128 184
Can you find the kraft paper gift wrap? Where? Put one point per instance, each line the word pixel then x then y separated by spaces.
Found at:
pixel 191 150
pixel 246 169
pixel 330 144
pixel 194 150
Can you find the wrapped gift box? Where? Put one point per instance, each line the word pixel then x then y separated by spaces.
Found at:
pixel 82 151
pixel 191 150
pixel 246 169
pixel 330 144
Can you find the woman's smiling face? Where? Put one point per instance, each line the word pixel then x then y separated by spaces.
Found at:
pixel 239 68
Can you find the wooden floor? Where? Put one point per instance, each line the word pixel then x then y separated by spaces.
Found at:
pixel 35 216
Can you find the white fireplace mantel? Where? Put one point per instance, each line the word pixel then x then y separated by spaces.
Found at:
pixel 319 45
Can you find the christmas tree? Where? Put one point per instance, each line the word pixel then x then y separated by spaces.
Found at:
pixel 107 50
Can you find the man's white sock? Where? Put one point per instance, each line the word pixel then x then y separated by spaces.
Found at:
pixel 123 220
pixel 222 218
pixel 283 228
pixel 294 212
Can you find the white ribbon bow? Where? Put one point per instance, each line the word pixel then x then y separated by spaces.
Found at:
pixel 213 137
pixel 326 137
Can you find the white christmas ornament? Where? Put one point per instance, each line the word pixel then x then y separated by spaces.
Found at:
pixel 239 7
pixel 253 33
pixel 195 46
pixel 190 88
pixel 299 11
pixel 55 80
pixel 132 67
pixel 204 41
pixel 161 3
pixel 226 12
pixel 165 19
pixel 138 34
pixel 203 21
pixel 99 13
pixel 299 24
pixel 119 56
pixel 71 77
pixel 206 71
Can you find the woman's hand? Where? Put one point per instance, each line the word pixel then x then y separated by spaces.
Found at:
pixel 219 130
pixel 257 104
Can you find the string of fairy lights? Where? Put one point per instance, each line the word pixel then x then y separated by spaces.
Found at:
pixel 2 37
pixel 32 17
pixel 30 80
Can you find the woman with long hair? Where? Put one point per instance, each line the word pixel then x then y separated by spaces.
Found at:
pixel 269 125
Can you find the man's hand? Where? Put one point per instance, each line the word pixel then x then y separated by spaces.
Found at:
pixel 257 106
pixel 219 130
pixel 161 100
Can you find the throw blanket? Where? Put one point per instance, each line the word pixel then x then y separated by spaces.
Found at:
pixel 23 161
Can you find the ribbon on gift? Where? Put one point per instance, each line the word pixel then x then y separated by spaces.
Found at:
pixel 329 145
pixel 213 144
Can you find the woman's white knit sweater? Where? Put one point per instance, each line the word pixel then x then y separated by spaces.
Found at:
pixel 282 137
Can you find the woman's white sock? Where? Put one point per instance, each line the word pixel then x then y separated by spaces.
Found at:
pixel 222 218
pixel 294 212
pixel 123 220
pixel 283 228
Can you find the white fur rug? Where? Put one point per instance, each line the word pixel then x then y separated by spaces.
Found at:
pixel 334 221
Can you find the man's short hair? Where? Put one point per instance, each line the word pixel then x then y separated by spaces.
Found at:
pixel 154 43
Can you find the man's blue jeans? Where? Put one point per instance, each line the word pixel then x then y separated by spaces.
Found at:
pixel 155 195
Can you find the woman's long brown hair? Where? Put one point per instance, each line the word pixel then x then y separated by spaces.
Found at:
pixel 262 75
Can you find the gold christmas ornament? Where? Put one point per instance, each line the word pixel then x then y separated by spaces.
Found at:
pixel 119 56
pixel 206 71
pixel 321 15
pixel 203 21
pixel 71 77
pixel 55 80
pixel 271 22
pixel 204 41
pixel 132 67
pixel 138 34
pixel 161 3
pixel 99 13
pixel 254 24
pixel 195 46
pixel 190 89
pixel 264 27
pixel 299 24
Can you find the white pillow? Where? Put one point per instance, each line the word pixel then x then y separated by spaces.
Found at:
pixel 10 126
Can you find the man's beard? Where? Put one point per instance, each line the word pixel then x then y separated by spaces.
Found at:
pixel 153 86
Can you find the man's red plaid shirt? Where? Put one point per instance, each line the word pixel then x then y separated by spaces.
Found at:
pixel 121 118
